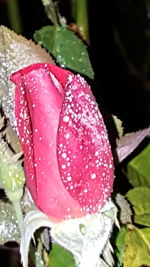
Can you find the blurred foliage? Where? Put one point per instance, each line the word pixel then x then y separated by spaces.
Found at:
pixel 139 197
pixel 132 242
pixel 137 242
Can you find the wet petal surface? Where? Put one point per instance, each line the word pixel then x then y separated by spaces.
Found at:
pixel 84 153
pixel 38 105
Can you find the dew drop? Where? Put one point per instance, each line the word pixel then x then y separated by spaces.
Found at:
pixel 67 135
pixel 85 191
pixel 70 78
pixel 96 153
pixel 93 175
pixel 63 166
pixel 69 178
pixel 64 155
pixel 66 118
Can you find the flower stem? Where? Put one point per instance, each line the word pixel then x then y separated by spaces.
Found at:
pixel 82 18
pixel 14 15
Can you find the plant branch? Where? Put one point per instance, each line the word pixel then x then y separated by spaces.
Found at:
pixel 82 18
pixel 14 15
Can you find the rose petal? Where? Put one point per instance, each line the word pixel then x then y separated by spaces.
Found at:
pixel 84 152
pixel 37 106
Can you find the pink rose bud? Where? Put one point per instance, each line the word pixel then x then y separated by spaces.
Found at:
pixel 68 160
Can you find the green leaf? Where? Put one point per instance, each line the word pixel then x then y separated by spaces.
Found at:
pixel 120 246
pixel 138 169
pixel 60 257
pixel 68 50
pixel 8 224
pixel 137 251
pixel 140 199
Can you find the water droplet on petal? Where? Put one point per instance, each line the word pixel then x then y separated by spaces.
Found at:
pixel 69 178
pixel 63 166
pixel 67 135
pixel 96 153
pixel 93 175
pixel 64 155
pixel 66 118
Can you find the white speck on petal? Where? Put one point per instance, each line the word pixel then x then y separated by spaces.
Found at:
pixel 69 178
pixel 64 155
pixel 63 166
pixel 93 175
pixel 96 153
pixel 67 135
pixel 85 191
pixel 65 118
pixel 70 78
